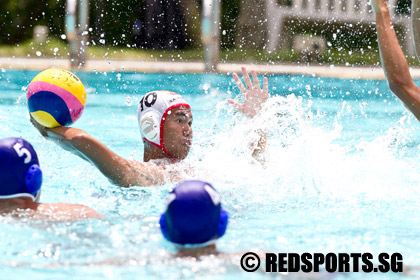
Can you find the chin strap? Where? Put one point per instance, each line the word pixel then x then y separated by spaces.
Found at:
pixel 162 148
pixel 38 195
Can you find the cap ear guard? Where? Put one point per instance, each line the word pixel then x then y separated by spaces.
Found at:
pixel 162 223
pixel 223 222
pixel 150 126
pixel 33 179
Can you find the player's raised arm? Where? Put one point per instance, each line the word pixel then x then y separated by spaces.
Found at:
pixel 393 61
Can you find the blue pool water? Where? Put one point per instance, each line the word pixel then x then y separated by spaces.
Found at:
pixel 342 175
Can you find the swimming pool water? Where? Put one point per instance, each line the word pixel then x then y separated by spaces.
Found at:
pixel 341 175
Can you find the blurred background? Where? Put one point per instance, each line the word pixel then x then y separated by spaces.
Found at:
pixel 257 31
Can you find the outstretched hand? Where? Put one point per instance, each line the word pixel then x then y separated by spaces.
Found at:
pixel 254 96
pixel 56 134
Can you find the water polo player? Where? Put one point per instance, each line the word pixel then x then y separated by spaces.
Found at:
pixel 20 186
pixel 165 121
pixel 194 216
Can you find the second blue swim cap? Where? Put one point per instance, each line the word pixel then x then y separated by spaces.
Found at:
pixel 20 174
pixel 194 214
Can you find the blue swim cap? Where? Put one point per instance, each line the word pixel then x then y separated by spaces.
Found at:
pixel 20 174
pixel 194 214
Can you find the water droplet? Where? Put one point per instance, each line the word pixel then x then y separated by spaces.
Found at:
pixel 128 101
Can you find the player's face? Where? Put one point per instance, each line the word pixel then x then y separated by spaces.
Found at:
pixel 177 132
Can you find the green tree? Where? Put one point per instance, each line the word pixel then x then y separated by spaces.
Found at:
pixel 18 18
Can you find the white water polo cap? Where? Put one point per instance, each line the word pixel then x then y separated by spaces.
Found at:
pixel 152 111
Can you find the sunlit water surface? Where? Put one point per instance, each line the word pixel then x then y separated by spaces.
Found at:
pixel 342 174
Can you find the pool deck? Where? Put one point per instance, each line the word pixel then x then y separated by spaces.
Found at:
pixel 347 72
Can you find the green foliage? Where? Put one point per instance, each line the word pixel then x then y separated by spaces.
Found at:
pixel 113 20
pixel 18 18
pixel 404 6
pixel 53 47
pixel 229 21
pixel 58 48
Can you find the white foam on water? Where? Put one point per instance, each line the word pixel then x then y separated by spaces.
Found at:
pixel 303 159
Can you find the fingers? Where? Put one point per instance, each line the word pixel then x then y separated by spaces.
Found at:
pixel 240 85
pixel 39 127
pixel 248 81
pixel 255 79
pixel 246 78
pixel 236 105
pixel 265 85
pixel 34 122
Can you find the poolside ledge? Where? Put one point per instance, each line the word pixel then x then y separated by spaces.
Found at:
pixel 346 72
